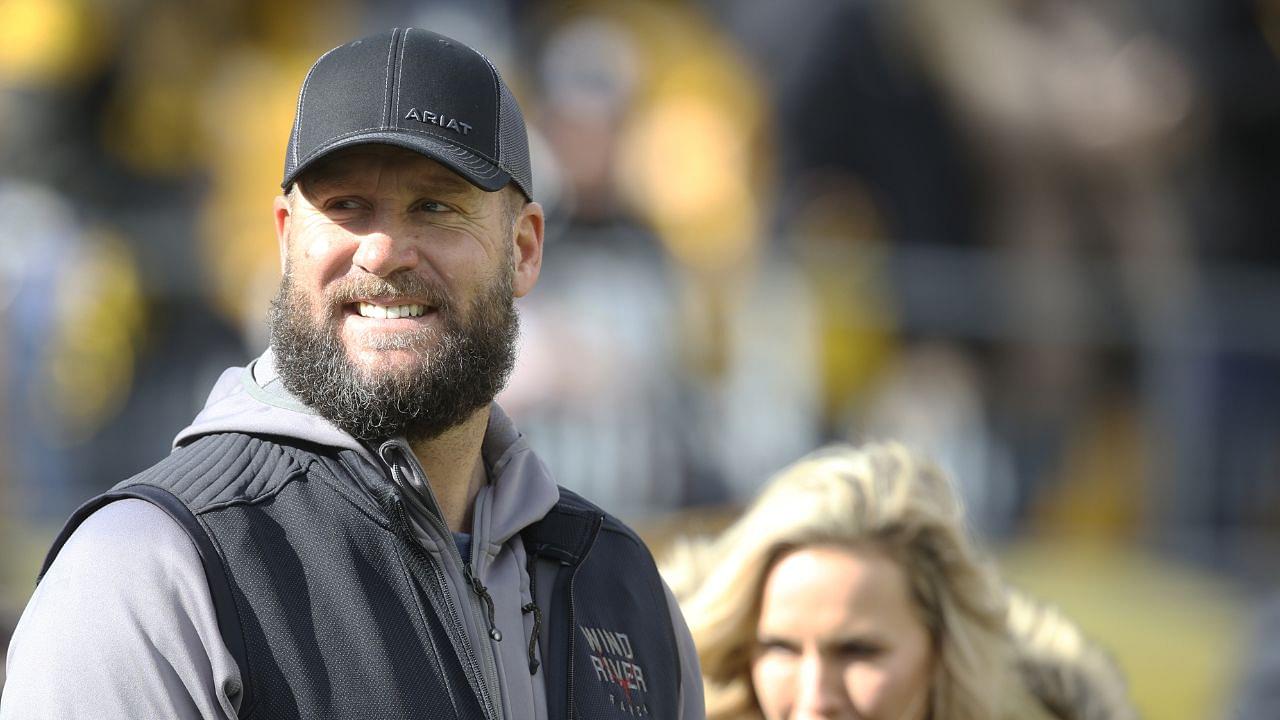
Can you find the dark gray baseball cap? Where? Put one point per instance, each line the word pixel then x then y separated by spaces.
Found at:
pixel 418 90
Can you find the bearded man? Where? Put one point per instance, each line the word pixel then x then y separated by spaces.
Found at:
pixel 351 528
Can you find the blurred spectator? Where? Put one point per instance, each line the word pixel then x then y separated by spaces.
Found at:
pixel 84 371
pixel 1043 135
pixel 590 72
pixel 865 156
pixel 1077 116
pixel 598 385
pixel 1227 512
pixel 932 399
pixel 689 370
pixel 41 250
pixel 852 103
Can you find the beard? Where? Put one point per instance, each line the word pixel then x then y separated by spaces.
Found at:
pixel 458 367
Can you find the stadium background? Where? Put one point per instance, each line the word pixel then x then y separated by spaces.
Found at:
pixel 1033 238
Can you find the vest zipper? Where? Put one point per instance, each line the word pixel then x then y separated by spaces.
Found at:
pixel 573 623
pixel 573 631
pixel 451 615
pixel 433 516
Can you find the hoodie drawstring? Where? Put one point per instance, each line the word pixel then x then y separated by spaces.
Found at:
pixel 532 607
pixel 529 607
pixel 479 589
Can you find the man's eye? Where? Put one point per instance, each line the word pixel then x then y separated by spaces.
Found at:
pixel 432 206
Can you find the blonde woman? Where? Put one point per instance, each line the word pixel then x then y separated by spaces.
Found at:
pixel 850 589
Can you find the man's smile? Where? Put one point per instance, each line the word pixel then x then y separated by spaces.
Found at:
pixel 403 308
pixel 390 312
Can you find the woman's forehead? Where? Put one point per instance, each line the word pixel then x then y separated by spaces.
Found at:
pixel 851 585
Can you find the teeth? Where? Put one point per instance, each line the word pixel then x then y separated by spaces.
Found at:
pixel 393 312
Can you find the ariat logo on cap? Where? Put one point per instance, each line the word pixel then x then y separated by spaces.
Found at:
pixel 431 118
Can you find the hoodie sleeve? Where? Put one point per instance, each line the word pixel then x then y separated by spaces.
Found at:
pixel 122 625
pixel 692 706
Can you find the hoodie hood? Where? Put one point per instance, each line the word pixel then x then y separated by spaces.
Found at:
pixel 254 400
pixel 522 487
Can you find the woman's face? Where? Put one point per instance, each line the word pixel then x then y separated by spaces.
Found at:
pixel 838 638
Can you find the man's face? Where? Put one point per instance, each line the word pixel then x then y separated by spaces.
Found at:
pixel 395 314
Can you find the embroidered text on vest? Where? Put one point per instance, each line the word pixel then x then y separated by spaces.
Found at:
pixel 614 661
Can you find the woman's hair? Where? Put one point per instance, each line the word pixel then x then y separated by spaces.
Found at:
pixel 1072 677
pixel 879 497
pixel 998 654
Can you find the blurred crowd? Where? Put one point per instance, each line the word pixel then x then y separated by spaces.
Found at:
pixel 1029 238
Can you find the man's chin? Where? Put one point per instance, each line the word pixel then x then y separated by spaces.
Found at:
pixel 380 360
pixel 387 368
pixel 367 344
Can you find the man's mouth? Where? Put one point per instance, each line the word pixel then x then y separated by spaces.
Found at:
pixel 390 312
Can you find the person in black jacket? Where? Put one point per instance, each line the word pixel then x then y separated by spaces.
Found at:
pixel 351 527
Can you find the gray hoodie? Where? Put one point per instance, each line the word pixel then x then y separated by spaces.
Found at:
pixel 123 623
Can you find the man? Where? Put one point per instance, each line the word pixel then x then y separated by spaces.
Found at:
pixel 350 528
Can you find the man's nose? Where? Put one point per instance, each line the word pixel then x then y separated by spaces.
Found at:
pixel 385 251
pixel 821 691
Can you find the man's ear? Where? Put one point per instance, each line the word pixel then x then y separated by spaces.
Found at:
pixel 284 213
pixel 527 238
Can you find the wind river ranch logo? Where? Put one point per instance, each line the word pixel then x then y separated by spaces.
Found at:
pixel 614 662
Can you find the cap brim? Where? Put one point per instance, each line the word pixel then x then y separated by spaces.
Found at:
pixel 475 169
